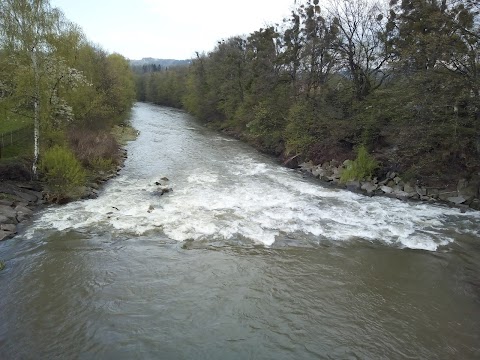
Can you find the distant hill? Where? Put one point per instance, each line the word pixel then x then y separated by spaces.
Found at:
pixel 162 62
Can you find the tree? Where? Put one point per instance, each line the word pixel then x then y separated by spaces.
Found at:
pixel 28 31
pixel 361 26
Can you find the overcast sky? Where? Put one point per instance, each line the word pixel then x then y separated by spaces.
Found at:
pixel 169 29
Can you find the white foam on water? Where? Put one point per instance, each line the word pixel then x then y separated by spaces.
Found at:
pixel 259 202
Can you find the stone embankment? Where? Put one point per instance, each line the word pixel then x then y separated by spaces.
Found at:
pixel 17 204
pixel 465 195
pixel 20 199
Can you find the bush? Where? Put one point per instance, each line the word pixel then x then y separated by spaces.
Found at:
pixel 102 164
pixel 62 172
pixel 361 168
pixel 89 145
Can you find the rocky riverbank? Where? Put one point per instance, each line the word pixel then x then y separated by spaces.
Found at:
pixel 20 198
pixel 464 196
pixel 18 201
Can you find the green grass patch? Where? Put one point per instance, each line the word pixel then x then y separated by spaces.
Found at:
pixel 12 123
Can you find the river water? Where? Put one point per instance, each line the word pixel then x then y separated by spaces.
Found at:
pixel 243 260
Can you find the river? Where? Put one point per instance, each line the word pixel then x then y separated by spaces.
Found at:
pixel 245 259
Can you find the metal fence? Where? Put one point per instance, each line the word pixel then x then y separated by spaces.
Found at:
pixel 20 137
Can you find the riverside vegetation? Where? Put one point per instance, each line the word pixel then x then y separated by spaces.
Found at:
pixel 75 97
pixel 397 83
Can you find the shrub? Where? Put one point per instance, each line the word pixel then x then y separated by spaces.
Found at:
pixel 62 172
pixel 361 168
pixel 89 145
pixel 102 164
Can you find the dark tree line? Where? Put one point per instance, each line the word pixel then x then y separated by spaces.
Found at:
pixel 401 78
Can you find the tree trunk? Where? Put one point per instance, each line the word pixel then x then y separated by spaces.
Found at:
pixel 36 120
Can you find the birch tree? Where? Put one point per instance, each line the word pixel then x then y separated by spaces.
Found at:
pixel 28 32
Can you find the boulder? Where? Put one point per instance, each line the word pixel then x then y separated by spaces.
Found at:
pixel 457 200
pixel 475 204
pixel 306 166
pixel 353 185
pixel 334 163
pixel 468 190
pixel 21 193
pixel 23 210
pixel 386 189
pixel 318 172
pixel 421 190
pixel 9 227
pixel 445 195
pixel 164 190
pixel 4 219
pixel 396 188
pixel 8 212
pixel 391 175
pixel 369 187
pixel 400 194
pixel 23 213
pixel 4 235
pixel 433 192
pixel 326 165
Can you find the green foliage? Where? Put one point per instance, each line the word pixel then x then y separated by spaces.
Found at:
pixel 361 168
pixel 403 81
pixel 298 133
pixel 102 164
pixel 52 76
pixel 2 265
pixel 62 172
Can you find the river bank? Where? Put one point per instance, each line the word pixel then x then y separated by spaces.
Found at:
pixel 464 196
pixel 19 200
pixel 274 264
pixel 460 192
pixel 21 197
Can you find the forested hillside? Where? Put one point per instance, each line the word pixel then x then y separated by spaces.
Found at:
pixel 69 91
pixel 400 79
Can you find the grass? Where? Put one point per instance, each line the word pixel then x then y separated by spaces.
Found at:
pixel 12 123
pixel 20 148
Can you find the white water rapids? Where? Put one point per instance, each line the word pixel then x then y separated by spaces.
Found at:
pixel 244 259
pixel 223 191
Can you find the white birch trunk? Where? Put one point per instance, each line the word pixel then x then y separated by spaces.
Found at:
pixel 36 120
